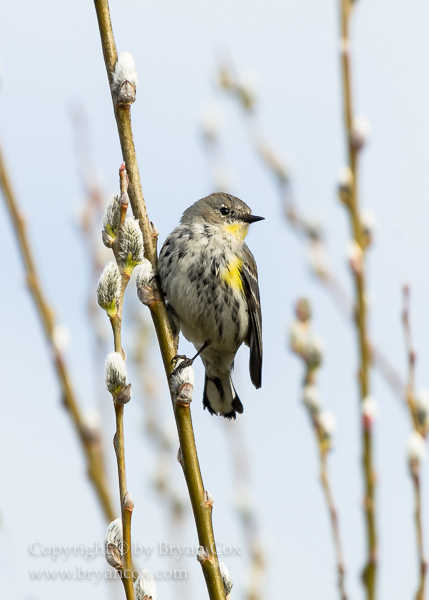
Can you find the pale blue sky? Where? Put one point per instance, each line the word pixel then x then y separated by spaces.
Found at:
pixel 51 60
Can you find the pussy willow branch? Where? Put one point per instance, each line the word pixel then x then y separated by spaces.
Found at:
pixel 202 512
pixel 323 450
pixel 370 570
pixel 333 515
pixel 415 474
pixel 118 442
pixel 91 446
pixel 302 226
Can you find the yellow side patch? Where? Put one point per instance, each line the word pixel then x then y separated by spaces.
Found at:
pixel 238 230
pixel 232 274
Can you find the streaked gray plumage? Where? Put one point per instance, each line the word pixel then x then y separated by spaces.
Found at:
pixel 210 280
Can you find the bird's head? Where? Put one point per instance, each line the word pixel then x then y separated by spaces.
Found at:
pixel 222 210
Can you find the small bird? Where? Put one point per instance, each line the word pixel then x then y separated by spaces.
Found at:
pixel 210 281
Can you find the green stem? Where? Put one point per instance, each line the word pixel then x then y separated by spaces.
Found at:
pixel 126 574
pixel 324 478
pixel 160 317
pixel 411 402
pixel 420 595
pixel 370 571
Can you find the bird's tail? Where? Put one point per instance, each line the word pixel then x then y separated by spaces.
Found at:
pixel 220 397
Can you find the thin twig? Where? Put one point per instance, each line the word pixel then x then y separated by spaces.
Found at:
pixel 202 512
pixel 118 441
pixel 411 357
pixel 91 445
pixel 370 570
pixel 307 347
pixel 323 447
pixel 420 595
pixel 324 478
pixel 415 471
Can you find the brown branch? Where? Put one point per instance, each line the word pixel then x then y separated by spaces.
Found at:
pixel 191 469
pixel 352 206
pixel 323 446
pixel 415 471
pixel 91 445
pixel 333 515
pixel 305 345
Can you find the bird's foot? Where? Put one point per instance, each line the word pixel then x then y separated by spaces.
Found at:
pixel 184 362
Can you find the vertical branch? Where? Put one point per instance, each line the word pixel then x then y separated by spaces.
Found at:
pixel 352 205
pixel 309 348
pixel 191 468
pixel 411 358
pixel 420 431
pixel 90 444
pixel 123 394
pixel 333 515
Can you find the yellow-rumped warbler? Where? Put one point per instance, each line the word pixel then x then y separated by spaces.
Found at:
pixel 210 280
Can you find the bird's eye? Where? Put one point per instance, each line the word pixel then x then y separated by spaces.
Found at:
pixel 224 211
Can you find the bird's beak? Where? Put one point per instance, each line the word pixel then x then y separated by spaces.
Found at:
pixel 251 218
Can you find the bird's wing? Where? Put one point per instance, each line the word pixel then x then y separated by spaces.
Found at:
pixel 249 275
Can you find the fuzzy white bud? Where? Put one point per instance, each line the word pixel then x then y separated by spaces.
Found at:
pixel 112 217
pixel 144 283
pixel 116 373
pixel 202 554
pixel 208 498
pixel 248 86
pixel 92 424
pixel 124 83
pixel 422 409
pixel 60 337
pixel 313 352
pixel 144 587
pixel 298 336
pixel 361 132
pixel 318 259
pixel 369 410
pixel 417 450
pixel 355 257
pixel 109 289
pixel 311 398
pixel 303 310
pixel 328 424
pixel 113 543
pixel 345 180
pixel 145 274
pixel 368 224
pixel 226 578
pixel 131 245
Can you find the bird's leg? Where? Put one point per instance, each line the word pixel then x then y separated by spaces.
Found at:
pixel 187 362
